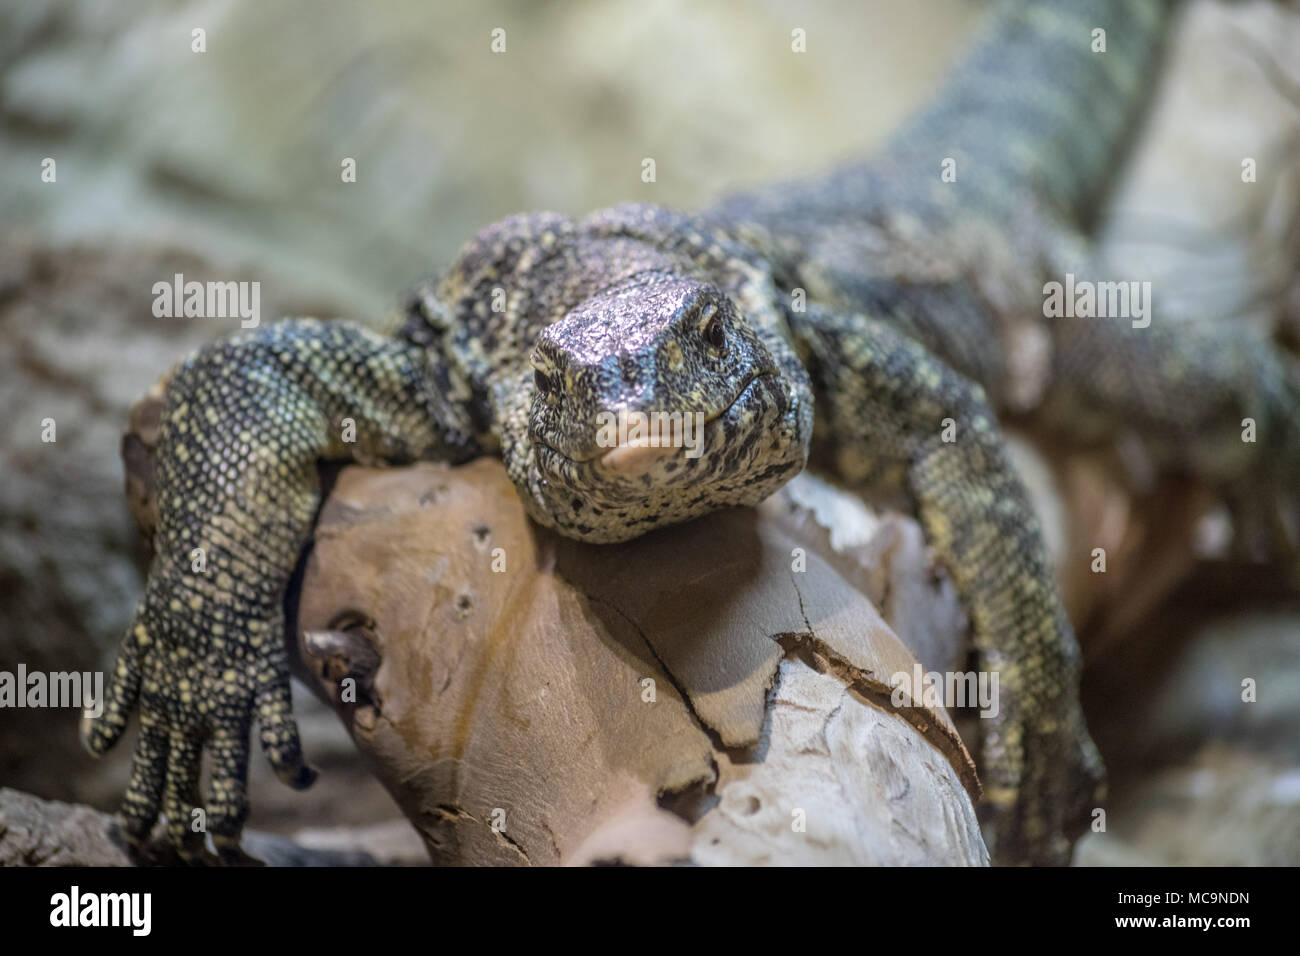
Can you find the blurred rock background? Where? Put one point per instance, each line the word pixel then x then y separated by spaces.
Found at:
pixel 237 151
pixel 226 165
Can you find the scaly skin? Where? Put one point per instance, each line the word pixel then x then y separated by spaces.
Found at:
pixel 917 291
pixel 246 421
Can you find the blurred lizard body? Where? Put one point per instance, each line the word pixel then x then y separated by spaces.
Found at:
pixel 847 318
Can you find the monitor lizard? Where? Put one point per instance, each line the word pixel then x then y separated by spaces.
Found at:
pixel 871 321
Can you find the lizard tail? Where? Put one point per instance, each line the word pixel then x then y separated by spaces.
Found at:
pixel 1039 113
pixel 1045 102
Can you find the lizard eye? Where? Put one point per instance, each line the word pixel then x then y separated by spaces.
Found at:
pixel 543 382
pixel 714 334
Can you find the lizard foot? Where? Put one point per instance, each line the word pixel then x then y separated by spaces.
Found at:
pixel 176 667
pixel 1044 786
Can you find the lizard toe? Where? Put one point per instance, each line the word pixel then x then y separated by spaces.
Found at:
pixel 143 796
pixel 228 790
pixel 99 734
pixel 279 731
pixel 186 820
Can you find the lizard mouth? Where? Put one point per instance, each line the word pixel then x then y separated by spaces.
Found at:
pixel 638 457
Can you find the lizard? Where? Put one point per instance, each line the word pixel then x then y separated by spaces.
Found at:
pixel 840 321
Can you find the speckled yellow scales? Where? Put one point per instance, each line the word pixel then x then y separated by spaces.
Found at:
pixel 238 483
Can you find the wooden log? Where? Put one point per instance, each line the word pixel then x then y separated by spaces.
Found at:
pixel 689 696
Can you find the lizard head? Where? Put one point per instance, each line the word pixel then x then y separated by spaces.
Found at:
pixel 654 401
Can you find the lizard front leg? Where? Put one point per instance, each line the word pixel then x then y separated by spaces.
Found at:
pixel 882 402
pixel 245 422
